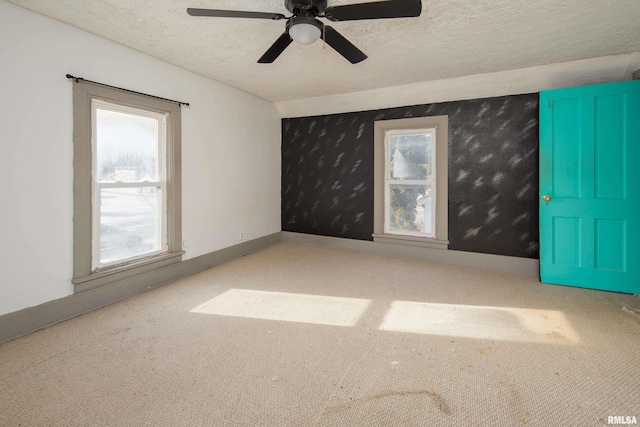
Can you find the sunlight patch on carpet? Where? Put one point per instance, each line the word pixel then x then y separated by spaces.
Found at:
pixel 499 323
pixel 288 307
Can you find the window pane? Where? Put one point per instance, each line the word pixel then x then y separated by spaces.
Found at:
pixel 411 156
pixel 130 222
pixel 410 209
pixel 126 147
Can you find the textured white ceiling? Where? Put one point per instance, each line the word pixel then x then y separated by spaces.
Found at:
pixel 451 38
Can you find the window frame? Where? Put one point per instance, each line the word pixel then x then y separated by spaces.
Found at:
pixel 85 276
pixel 381 160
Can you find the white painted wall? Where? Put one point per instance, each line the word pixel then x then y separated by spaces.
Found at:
pixel 510 82
pixel 230 140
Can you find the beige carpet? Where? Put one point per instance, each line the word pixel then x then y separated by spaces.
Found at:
pixel 300 336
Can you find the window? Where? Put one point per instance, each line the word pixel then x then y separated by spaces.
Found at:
pixel 411 181
pixel 126 184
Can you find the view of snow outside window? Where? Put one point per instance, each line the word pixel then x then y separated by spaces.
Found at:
pixel 410 183
pixel 128 188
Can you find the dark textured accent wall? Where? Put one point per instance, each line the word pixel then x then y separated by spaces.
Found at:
pixel 327 173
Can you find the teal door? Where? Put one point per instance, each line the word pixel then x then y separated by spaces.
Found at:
pixel 590 186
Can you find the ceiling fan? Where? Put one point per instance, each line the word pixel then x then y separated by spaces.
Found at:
pixel 304 27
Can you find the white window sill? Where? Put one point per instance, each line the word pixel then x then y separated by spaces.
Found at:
pixel 421 242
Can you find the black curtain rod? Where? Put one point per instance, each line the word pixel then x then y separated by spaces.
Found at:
pixel 77 79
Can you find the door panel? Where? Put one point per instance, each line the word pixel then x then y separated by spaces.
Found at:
pixel 590 169
pixel 610 147
pixel 566 241
pixel 566 155
pixel 611 244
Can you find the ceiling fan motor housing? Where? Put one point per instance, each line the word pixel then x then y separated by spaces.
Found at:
pixel 294 20
pixel 316 7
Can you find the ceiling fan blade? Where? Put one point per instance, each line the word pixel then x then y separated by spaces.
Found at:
pixel 376 10
pixel 343 46
pixel 276 49
pixel 234 14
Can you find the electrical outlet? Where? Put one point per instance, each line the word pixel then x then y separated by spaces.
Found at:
pixel 242 234
pixel 185 243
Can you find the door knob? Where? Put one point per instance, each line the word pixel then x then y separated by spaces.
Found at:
pixel 546 198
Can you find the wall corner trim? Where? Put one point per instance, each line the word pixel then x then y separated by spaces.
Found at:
pixel 31 319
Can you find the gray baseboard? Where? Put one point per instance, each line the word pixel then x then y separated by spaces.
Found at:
pixel 15 324
pixel 509 264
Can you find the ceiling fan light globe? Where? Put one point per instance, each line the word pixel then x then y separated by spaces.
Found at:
pixel 304 33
